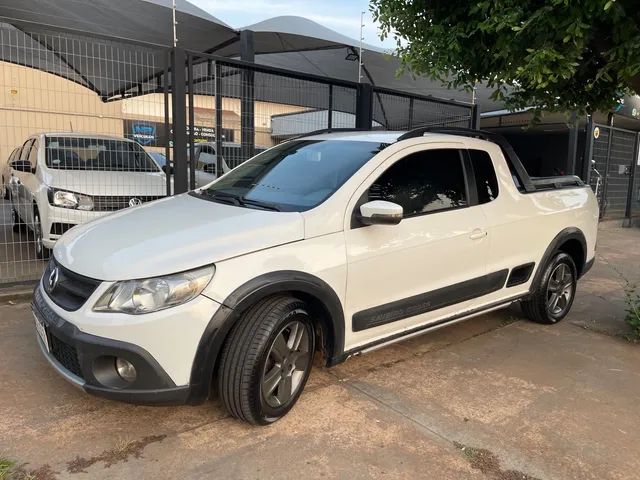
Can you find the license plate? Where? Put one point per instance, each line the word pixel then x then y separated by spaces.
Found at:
pixel 42 332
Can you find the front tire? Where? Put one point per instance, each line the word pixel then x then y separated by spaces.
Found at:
pixel 553 296
pixel 42 252
pixel 266 360
pixel 16 222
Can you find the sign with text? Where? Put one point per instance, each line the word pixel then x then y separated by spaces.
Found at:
pixel 155 134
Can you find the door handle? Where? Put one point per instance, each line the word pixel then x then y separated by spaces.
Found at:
pixel 477 234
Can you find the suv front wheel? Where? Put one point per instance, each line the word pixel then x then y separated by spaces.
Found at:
pixel 266 360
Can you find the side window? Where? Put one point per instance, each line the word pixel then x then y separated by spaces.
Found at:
pixel 26 149
pixel 33 155
pixel 423 182
pixel 485 174
pixel 14 155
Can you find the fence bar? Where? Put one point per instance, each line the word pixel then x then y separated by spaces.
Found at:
pixel 167 122
pixel 247 100
pixel 180 180
pixel 218 112
pixel 192 147
pixel 330 108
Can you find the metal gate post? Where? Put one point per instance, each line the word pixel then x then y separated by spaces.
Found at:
pixel 475 117
pixel 605 180
pixel 168 131
pixel 364 106
pixel 218 85
pixel 247 107
pixel 179 94
pixel 588 151
pixel 190 137
pixel 572 151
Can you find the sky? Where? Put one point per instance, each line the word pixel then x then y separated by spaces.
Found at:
pixel 340 15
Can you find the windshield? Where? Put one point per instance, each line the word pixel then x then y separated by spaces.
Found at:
pixel 294 176
pixel 78 153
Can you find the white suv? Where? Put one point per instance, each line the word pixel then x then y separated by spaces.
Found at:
pixel 338 242
pixel 59 180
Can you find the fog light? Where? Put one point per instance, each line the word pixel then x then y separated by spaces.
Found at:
pixel 125 369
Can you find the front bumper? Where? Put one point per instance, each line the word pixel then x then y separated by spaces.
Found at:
pixel 88 361
pixel 58 220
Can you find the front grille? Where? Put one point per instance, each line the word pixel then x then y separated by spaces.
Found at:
pixel 71 289
pixel 65 354
pixel 113 203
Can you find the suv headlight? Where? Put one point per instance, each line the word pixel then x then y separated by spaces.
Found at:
pixel 153 294
pixel 64 199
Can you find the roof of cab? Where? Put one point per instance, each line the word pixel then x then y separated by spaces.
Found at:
pixel 378 136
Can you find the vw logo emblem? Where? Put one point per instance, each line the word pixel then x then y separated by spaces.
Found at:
pixel 53 279
pixel 134 202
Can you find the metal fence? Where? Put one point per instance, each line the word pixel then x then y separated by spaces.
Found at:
pixel 89 126
pixel 615 173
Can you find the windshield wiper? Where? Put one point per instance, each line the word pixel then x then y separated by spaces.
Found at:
pixel 238 200
pixel 259 204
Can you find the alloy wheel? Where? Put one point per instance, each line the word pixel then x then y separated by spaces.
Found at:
pixel 560 290
pixel 288 360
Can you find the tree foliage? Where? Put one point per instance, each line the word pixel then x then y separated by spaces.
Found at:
pixel 579 55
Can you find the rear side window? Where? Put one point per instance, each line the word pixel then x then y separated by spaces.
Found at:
pixel 485 174
pixel 26 149
pixel 33 154
pixel 423 182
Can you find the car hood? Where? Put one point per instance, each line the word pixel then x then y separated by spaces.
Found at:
pixel 106 183
pixel 172 235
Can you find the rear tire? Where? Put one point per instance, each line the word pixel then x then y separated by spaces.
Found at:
pixel 553 295
pixel 266 360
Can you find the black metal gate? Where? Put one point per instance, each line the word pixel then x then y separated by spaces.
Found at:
pixel 614 171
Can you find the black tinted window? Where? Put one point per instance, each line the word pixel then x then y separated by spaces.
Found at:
pixel 485 174
pixel 423 182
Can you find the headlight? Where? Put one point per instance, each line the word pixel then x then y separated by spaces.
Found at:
pixel 61 198
pixel 153 294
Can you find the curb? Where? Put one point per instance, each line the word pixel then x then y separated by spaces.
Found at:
pixel 15 295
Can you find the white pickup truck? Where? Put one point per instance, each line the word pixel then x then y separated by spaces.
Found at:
pixel 336 243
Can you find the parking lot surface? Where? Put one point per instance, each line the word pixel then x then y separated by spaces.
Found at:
pixel 495 397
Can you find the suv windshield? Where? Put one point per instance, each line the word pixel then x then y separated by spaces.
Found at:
pixel 85 153
pixel 294 176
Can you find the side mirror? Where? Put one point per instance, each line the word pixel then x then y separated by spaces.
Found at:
pixel 22 166
pixel 380 212
pixel 168 170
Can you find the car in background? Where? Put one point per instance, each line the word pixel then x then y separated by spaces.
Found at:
pixel 6 174
pixel 206 163
pixel 59 180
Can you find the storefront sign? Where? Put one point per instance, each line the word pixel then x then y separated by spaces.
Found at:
pixel 154 134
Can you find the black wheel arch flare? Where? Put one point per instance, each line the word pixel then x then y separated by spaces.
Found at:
pixel 570 234
pixel 319 295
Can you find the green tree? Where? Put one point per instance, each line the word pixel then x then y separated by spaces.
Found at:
pixel 579 55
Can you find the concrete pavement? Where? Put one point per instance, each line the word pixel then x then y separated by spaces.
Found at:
pixel 496 397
